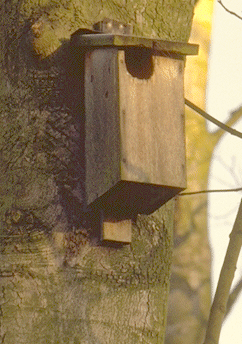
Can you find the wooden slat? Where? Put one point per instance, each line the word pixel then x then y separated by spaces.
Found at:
pixel 122 41
pixel 117 231
pixel 152 124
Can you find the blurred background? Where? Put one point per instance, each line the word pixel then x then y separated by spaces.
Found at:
pixel 223 97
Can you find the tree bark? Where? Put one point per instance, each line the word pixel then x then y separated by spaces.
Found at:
pixel 59 283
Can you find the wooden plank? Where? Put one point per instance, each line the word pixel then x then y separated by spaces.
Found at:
pixel 152 123
pixel 102 142
pixel 123 41
pixel 117 230
pixel 176 47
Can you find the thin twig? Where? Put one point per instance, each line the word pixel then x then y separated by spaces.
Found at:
pixel 209 191
pixel 229 11
pixel 233 297
pixel 218 309
pixel 213 120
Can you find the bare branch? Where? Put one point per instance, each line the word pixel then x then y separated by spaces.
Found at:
pixel 220 301
pixel 233 296
pixel 234 117
pixel 209 191
pixel 229 11
pixel 213 120
pixel 231 169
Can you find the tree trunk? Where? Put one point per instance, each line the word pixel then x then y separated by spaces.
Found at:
pixel 59 283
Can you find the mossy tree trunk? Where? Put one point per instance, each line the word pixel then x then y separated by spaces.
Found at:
pixel 59 284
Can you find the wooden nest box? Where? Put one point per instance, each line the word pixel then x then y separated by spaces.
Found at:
pixel 134 122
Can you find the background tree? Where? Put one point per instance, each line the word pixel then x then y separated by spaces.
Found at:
pixel 58 283
pixel 190 283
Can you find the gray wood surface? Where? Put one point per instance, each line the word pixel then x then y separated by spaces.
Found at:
pixel 121 41
pixel 135 142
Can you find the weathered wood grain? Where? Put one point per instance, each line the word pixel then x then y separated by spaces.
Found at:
pixel 135 142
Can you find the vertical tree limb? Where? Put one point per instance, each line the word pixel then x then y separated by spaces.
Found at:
pixel 233 297
pixel 218 309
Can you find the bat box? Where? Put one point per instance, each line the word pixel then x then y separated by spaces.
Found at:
pixel 134 121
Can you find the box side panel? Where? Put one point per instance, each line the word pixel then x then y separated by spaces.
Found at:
pixel 152 123
pixel 102 124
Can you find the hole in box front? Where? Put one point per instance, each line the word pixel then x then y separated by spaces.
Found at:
pixel 139 62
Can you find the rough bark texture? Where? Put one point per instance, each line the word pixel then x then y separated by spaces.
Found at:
pixel 59 284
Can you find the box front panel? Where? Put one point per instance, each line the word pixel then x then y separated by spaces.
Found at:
pixel 152 122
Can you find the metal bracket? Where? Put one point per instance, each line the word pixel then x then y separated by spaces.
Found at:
pixel 113 26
